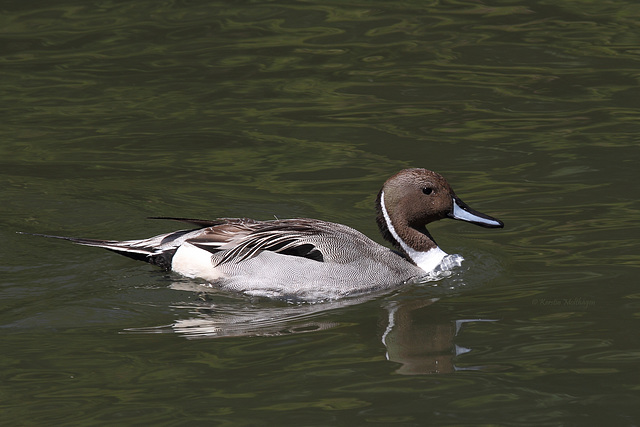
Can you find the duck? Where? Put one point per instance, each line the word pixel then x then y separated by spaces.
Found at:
pixel 310 259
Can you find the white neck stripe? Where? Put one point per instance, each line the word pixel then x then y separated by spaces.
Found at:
pixel 425 260
pixel 392 230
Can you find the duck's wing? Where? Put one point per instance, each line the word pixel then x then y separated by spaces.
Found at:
pixel 240 239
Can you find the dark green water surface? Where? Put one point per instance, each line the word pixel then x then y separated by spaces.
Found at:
pixel 114 111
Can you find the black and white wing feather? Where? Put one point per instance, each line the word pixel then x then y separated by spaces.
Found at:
pixel 244 240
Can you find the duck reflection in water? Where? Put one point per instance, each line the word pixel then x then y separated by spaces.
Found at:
pixel 417 334
pixel 421 338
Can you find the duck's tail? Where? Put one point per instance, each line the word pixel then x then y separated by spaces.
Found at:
pixel 158 250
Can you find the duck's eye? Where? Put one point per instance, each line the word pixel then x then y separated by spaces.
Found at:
pixel 427 190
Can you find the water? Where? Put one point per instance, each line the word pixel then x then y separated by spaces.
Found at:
pixel 116 111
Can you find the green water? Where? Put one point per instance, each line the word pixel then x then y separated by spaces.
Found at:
pixel 113 111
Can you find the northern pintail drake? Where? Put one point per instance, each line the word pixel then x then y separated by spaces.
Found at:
pixel 310 259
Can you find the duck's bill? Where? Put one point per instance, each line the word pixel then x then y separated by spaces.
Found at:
pixel 463 212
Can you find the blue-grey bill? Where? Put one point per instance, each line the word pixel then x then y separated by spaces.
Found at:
pixel 463 212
